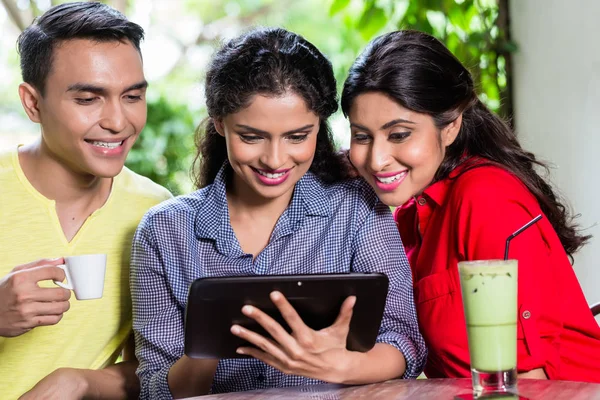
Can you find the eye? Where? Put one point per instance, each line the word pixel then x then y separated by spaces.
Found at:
pixel 250 138
pixel 85 100
pixel 297 138
pixel 399 136
pixel 361 138
pixel 133 99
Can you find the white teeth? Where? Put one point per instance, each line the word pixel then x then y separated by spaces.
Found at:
pixel 390 179
pixel 271 176
pixel 107 145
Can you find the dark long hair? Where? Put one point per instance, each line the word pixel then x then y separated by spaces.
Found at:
pixel 267 62
pixel 422 75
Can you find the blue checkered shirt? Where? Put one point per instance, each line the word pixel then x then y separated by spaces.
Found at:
pixel 334 228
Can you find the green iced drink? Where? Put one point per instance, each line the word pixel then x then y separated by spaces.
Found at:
pixel 489 292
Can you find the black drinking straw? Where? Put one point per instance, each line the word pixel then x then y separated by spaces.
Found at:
pixel 511 237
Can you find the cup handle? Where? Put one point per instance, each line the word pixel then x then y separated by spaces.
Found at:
pixel 64 285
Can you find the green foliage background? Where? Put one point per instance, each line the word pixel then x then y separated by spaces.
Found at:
pixel 474 30
pixel 469 28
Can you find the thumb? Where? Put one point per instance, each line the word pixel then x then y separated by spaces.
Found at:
pixel 345 315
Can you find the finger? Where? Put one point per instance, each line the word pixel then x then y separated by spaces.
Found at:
pixel 50 294
pixel 39 263
pixel 266 345
pixel 264 357
pixel 35 310
pixel 44 273
pixel 289 314
pixel 345 316
pixel 45 320
pixel 272 327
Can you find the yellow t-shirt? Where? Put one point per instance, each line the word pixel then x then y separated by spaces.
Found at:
pixel 92 333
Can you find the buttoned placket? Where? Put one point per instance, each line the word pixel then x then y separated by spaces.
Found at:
pixel 423 213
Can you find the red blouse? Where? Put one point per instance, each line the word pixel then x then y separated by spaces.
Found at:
pixel 468 216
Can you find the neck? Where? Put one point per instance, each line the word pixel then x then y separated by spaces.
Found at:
pixel 57 181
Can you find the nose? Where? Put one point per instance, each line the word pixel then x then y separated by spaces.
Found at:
pixel 273 155
pixel 379 156
pixel 113 117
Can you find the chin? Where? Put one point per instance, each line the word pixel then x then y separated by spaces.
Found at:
pixel 393 199
pixel 106 171
pixel 273 192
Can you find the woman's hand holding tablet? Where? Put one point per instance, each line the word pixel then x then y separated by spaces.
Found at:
pixel 317 354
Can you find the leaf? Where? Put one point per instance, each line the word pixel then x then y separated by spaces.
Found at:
pixel 510 46
pixel 371 22
pixel 337 6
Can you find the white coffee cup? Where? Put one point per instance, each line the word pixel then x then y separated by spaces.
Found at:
pixel 85 275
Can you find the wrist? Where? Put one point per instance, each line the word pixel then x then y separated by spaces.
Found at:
pixel 77 379
pixel 347 367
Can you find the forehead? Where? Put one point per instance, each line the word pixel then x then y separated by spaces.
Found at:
pixel 111 64
pixel 275 113
pixel 377 106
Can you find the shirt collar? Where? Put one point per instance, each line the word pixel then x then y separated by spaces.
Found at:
pixel 311 194
pixel 213 214
pixel 439 190
pixel 309 198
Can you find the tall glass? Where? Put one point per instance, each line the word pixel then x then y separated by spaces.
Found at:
pixel 489 293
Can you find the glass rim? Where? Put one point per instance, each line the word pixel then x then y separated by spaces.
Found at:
pixel 485 262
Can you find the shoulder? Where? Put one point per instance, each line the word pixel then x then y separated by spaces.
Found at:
pixel 178 209
pixel 489 193
pixel 352 191
pixel 141 188
pixel 354 201
pixel 489 183
pixel 6 162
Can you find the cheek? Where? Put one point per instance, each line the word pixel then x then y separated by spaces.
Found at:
pixel 358 156
pixel 308 154
pixel 242 153
pixel 138 117
pixel 303 152
pixel 423 154
pixel 80 120
pixel 65 117
pixel 75 126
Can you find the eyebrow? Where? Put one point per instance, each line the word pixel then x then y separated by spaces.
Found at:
pixel 254 130
pixel 86 87
pixel 384 126
pixel 396 122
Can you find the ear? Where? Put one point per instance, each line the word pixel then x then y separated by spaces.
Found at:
pixel 218 123
pixel 30 99
pixel 450 131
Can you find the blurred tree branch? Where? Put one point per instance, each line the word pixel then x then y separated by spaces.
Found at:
pixel 13 13
pixel 219 25
pixel 477 32
pixel 120 5
pixel 16 15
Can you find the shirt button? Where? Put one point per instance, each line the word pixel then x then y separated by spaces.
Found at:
pixel 526 314
pixel 260 378
pixel 422 201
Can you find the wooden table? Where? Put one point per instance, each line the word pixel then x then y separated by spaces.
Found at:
pixel 436 389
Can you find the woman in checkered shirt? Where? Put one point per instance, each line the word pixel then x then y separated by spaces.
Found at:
pixel 273 198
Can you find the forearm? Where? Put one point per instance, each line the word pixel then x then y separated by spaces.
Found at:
pixel 117 381
pixel 534 374
pixel 381 363
pixel 191 377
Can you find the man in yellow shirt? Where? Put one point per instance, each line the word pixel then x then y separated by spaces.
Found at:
pixel 69 194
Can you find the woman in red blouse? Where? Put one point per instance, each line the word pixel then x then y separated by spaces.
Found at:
pixel 463 184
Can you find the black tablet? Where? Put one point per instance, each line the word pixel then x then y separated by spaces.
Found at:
pixel 215 304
